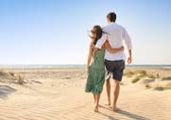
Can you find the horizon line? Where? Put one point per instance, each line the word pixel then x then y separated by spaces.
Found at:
pixel 68 64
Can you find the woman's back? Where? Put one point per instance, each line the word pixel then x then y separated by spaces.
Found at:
pixel 98 61
pixel 96 73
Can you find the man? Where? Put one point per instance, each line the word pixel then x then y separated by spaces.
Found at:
pixel 115 62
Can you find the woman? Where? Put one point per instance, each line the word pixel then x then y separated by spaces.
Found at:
pixel 96 66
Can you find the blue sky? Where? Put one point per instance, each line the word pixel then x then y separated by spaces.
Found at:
pixel 55 31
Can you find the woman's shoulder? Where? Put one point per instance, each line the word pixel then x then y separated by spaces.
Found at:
pixel 92 44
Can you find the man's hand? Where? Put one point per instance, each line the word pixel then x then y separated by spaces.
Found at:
pixel 122 48
pixel 129 60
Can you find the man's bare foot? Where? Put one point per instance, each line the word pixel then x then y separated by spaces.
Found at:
pixel 96 109
pixel 108 104
pixel 115 109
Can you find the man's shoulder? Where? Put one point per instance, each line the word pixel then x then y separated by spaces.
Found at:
pixel 118 26
pixel 112 25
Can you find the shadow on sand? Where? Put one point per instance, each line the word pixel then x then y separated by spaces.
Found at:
pixel 110 117
pixel 130 115
pixel 5 90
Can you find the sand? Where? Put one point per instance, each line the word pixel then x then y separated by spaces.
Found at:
pixel 58 94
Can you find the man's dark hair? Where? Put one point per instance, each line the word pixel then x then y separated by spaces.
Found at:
pixel 111 16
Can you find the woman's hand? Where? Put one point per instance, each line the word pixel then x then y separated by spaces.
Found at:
pixel 87 68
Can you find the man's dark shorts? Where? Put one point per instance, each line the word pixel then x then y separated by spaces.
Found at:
pixel 115 69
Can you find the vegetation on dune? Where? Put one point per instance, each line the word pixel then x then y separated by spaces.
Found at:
pixel 159 88
pixel 140 74
pixel 167 78
pixel 136 79
pixel 149 80
pixel 129 73
pixel 147 86
pixel 11 77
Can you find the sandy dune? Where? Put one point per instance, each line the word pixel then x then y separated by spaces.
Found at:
pixel 58 94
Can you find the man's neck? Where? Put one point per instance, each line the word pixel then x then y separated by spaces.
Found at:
pixel 111 22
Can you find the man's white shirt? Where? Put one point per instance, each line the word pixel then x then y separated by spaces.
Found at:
pixel 117 36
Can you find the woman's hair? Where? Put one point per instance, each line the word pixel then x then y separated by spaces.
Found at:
pixel 97 33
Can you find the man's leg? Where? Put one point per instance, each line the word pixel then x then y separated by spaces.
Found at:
pixel 117 73
pixel 108 91
pixel 116 94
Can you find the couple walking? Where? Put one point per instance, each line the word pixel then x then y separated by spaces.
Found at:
pixel 106 55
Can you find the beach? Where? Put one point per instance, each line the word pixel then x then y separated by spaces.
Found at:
pixel 58 94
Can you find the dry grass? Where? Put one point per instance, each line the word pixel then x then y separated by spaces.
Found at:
pixel 152 76
pixel 129 73
pixel 139 74
pixel 136 79
pixel 2 73
pixel 142 72
pixel 167 78
pixel 159 88
pixel 148 86
pixel 161 85
pixel 11 77
pixel 20 79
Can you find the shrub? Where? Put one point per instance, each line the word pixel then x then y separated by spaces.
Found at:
pixel 129 73
pixel 136 79
pixel 11 77
pixel 167 78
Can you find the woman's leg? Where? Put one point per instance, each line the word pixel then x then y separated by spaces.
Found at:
pixel 96 109
pixel 94 96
